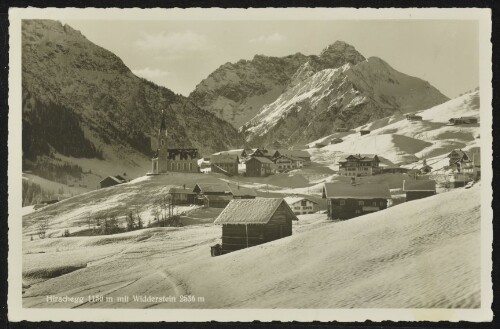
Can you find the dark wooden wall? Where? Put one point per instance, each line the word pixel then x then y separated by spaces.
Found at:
pixel 348 210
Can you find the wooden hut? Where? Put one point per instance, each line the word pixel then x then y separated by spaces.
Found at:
pixel 364 132
pixel 111 181
pixel 247 223
pixel 418 189
pixel 240 192
pixel 182 196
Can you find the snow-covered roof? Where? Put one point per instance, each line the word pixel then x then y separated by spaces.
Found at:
pixel 237 152
pixel 218 197
pixel 180 190
pixel 344 190
pixel 242 191
pixel 251 211
pixel 295 153
pixel 419 185
pixel 261 159
pixel 294 199
pixel 119 181
pixel 211 188
pixel 360 157
pixel 224 158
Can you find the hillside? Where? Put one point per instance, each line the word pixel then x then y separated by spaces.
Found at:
pixel 405 142
pixel 425 259
pixel 342 97
pixel 104 112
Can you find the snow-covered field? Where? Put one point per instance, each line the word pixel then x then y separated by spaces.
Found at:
pixel 416 254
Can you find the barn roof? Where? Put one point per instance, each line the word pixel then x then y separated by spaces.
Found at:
pixel 119 181
pixel 344 190
pixel 225 158
pixel 212 187
pixel 242 191
pixel 295 153
pixel 236 151
pixel 251 211
pixel 293 199
pixel 419 185
pixel 261 160
pixel 179 190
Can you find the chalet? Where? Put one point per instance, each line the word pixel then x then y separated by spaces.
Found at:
pixel 364 132
pixel 298 154
pixel 240 192
pixel 111 181
pixel 263 153
pixel 248 223
pixel 216 201
pixel 284 163
pixel 225 163
pixel 458 158
pixel 336 140
pixel 259 167
pixel 301 205
pixel 355 165
pixel 413 117
pixel 418 189
pixel 463 120
pixel 181 196
pixel 348 200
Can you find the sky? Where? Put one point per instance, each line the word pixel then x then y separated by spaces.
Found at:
pixel 179 54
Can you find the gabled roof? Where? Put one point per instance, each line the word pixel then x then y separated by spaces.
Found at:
pixel 261 160
pixel 225 158
pixel 237 152
pixel 180 190
pixel 218 197
pixel 419 185
pixel 294 153
pixel 242 191
pixel 359 157
pixel 251 211
pixel 294 199
pixel 460 153
pixel 212 188
pixel 344 190
pixel 119 181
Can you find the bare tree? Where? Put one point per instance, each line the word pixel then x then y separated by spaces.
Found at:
pixel 42 228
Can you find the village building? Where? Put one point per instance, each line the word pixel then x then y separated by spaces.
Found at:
pixel 457 159
pixel 285 163
pixel 216 201
pixel 301 205
pixel 240 192
pixel 225 163
pixel 319 145
pixel 418 189
pixel 393 170
pixel 425 169
pixel 276 144
pixel 297 154
pixel 356 165
pixel 248 223
pixel 364 132
pixel 413 117
pixel 241 153
pixel 259 167
pixel 348 200
pixel 203 189
pixel 263 153
pixel 174 160
pixel 182 196
pixel 336 141
pixel 463 120
pixel 112 181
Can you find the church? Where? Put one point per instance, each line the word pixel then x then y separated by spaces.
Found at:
pixel 173 160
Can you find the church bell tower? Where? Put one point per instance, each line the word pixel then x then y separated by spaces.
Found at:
pixel 162 146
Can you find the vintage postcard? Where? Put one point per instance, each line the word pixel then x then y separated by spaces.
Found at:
pixel 238 165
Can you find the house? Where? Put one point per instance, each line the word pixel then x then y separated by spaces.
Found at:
pixel 285 163
pixel 241 153
pixel 355 165
pixel 240 192
pixel 393 170
pixel 225 163
pixel 181 196
pixel 463 120
pixel 413 117
pixel 336 140
pixel 458 158
pixel 111 181
pixel 348 200
pixel 298 154
pixel 248 223
pixel 263 153
pixel 301 205
pixel 173 159
pixel 418 189
pixel 259 167
pixel 364 132
pixel 425 169
pixel 216 201
pixel 202 189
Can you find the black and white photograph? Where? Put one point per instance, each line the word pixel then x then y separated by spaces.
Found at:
pixel 324 164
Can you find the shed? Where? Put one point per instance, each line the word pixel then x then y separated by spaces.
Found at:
pixel 111 181
pixel 247 223
pixel 418 189
pixel 364 132
pixel 240 192
pixel 182 195
pixel 216 201
pixel 336 141
pixel 348 200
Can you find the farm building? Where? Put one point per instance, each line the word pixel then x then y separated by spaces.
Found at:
pixel 181 196
pixel 457 158
pixel 336 141
pixel 418 189
pixel 202 189
pixel 111 181
pixel 364 132
pixel 225 163
pixel 248 223
pixel 216 201
pixel 348 200
pixel 463 120
pixel 413 117
pixel 355 165
pixel 298 154
pixel 393 170
pixel 240 192
pixel 259 167
pixel 301 205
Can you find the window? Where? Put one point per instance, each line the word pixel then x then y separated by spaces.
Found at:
pixel 374 203
pixel 361 203
pixel 303 203
pixel 190 166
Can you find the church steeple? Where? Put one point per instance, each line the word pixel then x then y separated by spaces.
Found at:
pixel 163 125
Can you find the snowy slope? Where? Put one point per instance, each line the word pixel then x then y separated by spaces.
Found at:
pixel 428 258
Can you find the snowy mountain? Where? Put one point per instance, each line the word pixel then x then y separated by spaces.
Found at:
pixel 408 142
pixel 82 106
pixel 347 96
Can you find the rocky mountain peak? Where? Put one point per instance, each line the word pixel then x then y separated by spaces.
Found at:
pixel 341 51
